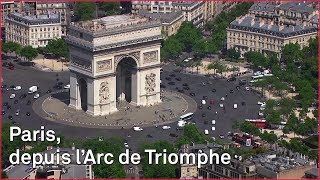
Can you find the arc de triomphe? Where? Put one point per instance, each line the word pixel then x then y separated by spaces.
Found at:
pixel 114 59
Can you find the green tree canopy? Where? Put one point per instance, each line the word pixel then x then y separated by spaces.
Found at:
pixel 85 10
pixel 29 52
pixel 58 48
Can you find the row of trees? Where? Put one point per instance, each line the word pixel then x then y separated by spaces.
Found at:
pixel 221 68
pixel 296 71
pixel 55 47
pixel 189 38
pixel 27 52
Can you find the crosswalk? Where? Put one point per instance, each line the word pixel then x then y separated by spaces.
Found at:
pixel 130 171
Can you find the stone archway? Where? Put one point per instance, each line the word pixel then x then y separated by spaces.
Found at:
pixel 126 80
pixel 83 89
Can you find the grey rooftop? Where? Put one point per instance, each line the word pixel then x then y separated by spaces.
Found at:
pixel 249 23
pixel 35 19
pixel 164 17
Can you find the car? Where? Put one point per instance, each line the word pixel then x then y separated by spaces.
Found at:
pixel 28 102
pixel 12 87
pixel 238 87
pixel 28 113
pixel 221 136
pixel 172 75
pixel 209 107
pixel 261 103
pixel 205 122
pixel 203 115
pixel 205 97
pixel 12 96
pixel 186 88
pixel 66 86
pixel 184 84
pixel 213 122
pixel 178 78
pixel 203 83
pixel 222 99
pixel 200 106
pixel 231 90
pixel 262 108
pixel 149 136
pixel 173 135
pixel 126 145
pixel 136 128
pixel 203 102
pixel 3 112
pixel 168 78
pixel 162 86
pixel 5 104
pixel 17 88
pixel 235 106
pixel 206 132
pixel 214 90
pixel 192 94
pixel 18 112
pixel 257 73
pixel 130 168
pixel 4 86
pixel 49 91
pixel 60 83
pixel 221 105
pixel 213 128
pixel 180 90
pixel 10 117
pixel 36 96
pixel 166 127
pixel 23 96
pixel 8 107
pixel 231 79
pixel 243 103
pixel 247 88
pixel 171 83
pixel 260 113
pixel 15 101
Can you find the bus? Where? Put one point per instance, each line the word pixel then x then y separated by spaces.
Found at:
pixel 257 77
pixel 186 116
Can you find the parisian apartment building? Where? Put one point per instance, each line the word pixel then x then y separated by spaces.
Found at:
pixel 269 26
pixel 25 21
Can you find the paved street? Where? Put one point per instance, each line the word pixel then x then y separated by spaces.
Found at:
pixel 27 76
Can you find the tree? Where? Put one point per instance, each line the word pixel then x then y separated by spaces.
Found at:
pixel 233 54
pixel 171 48
pixel 158 170
pixel 188 35
pixel 58 48
pixel 248 127
pixel 291 53
pixel 192 135
pixel 29 53
pixel 269 137
pixel 274 117
pixel 85 10
pixel 200 48
pixel 256 58
pixel 111 8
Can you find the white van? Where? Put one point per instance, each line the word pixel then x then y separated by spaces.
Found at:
pixel 206 132
pixel 213 128
pixel 235 106
pixel 213 122
pixel 203 101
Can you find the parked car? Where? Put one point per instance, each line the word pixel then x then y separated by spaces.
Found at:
pixel 12 96
pixel 36 96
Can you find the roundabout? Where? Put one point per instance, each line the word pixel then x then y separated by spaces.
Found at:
pixel 54 107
